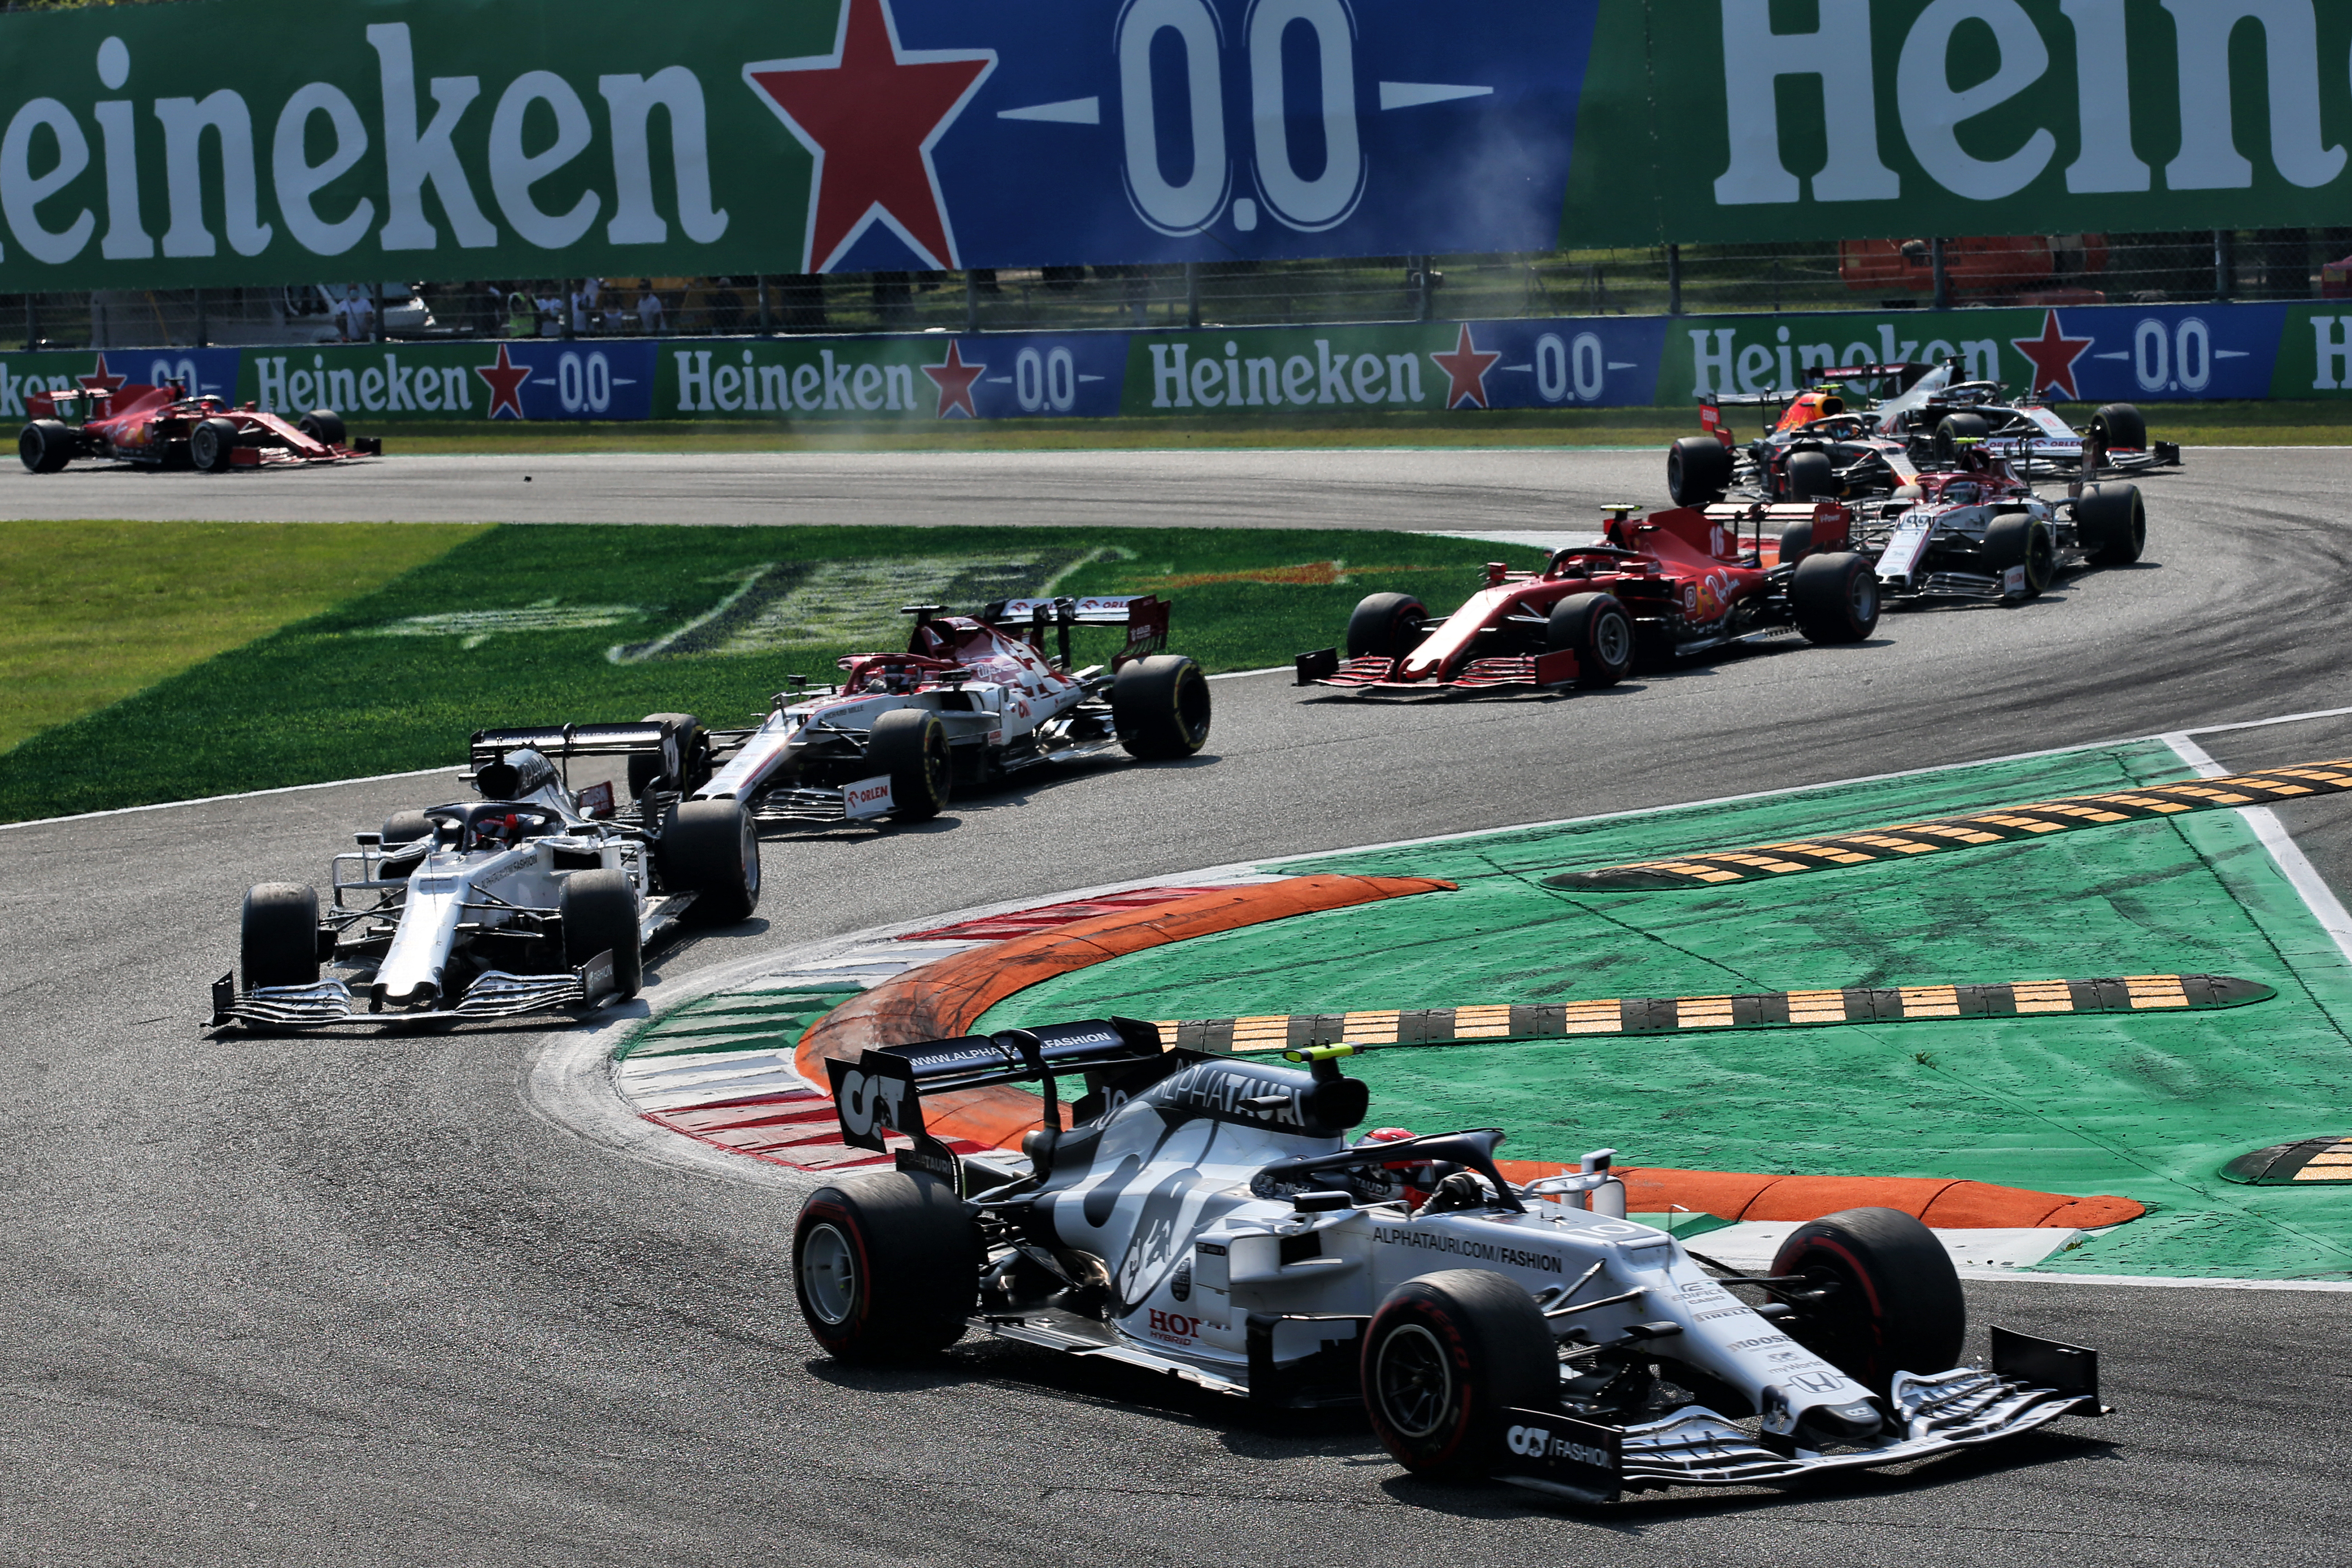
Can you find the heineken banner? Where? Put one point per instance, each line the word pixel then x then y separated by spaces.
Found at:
pixel 2104 353
pixel 245 142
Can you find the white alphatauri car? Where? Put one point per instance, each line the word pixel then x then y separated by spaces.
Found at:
pixel 1208 1218
pixel 528 899
pixel 974 698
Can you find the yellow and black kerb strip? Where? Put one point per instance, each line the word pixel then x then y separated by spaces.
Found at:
pixel 1766 862
pixel 1691 1015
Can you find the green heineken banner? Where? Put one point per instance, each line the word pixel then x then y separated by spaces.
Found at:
pixel 251 143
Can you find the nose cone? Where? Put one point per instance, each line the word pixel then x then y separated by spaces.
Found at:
pixel 419 997
pixel 1855 1423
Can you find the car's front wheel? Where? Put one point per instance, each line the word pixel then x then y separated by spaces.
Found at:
pixel 1159 706
pixel 1443 1358
pixel 711 848
pixel 910 744
pixel 1597 629
pixel 2021 539
pixel 886 1266
pixel 277 937
pixel 1883 1296
pixel 1386 625
pixel 598 913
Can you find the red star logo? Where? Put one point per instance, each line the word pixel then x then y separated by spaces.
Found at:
pixel 2054 354
pixel 1467 368
pixel 870 113
pixel 100 381
pixel 506 379
pixel 955 380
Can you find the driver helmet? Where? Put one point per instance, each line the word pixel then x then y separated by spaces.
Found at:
pixel 1963 493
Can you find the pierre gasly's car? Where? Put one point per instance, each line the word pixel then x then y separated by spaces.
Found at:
pixel 1977 531
pixel 1210 1219
pixel 531 898
pixel 1671 585
pixel 164 428
pixel 975 697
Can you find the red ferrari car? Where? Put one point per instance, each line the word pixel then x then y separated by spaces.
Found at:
pixel 1675 584
pixel 164 428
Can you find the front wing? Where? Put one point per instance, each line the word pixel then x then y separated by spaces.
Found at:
pixel 1377 675
pixel 495 993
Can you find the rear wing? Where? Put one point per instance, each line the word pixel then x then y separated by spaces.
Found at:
pixel 1145 616
pixel 882 1091
pixel 560 741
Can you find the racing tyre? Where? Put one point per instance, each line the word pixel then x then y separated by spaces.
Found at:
pixel 1956 428
pixel 1444 1357
pixel 1796 542
pixel 1835 597
pixel 910 744
pixel 2111 521
pixel 1698 471
pixel 694 756
pixel 2021 539
pixel 886 1267
pixel 2120 425
pixel 1893 1301
pixel 1600 632
pixel 1160 708
pixel 406 828
pixel 1386 625
pixel 46 446
pixel 711 848
pixel 324 424
pixel 278 938
pixel 210 444
pixel 1811 477
pixel 600 914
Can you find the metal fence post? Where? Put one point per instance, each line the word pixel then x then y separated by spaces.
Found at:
pixel 971 300
pixel 1673 280
pixel 571 290
pixel 761 283
pixel 375 311
pixel 1943 279
pixel 1191 293
pixel 32 322
pixel 2223 263
pixel 203 327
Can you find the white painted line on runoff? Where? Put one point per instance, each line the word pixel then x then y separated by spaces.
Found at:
pixel 2157 1281
pixel 216 799
pixel 2297 867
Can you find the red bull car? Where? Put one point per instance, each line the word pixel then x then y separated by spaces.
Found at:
pixel 164 428
pixel 1672 585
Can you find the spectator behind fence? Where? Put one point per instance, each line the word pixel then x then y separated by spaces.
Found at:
pixel 523 320
pixel 354 316
pixel 649 308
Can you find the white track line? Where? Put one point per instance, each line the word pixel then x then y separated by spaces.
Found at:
pixel 2304 878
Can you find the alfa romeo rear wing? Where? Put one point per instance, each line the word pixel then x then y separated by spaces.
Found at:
pixel 1145 616
pixel 881 1092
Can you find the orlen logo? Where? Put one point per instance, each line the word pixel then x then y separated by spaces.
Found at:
pixel 1535 1442
pixel 1176 1325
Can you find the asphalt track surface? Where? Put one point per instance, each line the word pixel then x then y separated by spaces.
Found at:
pixel 316 1300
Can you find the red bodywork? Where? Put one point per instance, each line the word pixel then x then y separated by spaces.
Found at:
pixel 150 425
pixel 1687 573
pixel 2023 269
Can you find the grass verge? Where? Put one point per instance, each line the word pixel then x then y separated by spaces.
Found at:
pixel 92 612
pixel 551 623
pixel 2303 423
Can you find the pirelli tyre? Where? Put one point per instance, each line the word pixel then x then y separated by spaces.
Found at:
pixel 2119 426
pixel 910 744
pixel 693 757
pixel 324 424
pixel 1386 625
pixel 1834 597
pixel 44 446
pixel 1958 430
pixel 1159 706
pixel 711 848
pixel 277 936
pixel 1598 630
pixel 599 914
pixel 2022 539
pixel 1884 1297
pixel 210 446
pixel 1698 471
pixel 2111 523
pixel 1811 477
pixel 1444 1357
pixel 886 1266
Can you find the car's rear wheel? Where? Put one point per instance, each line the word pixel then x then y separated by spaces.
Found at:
pixel 44 446
pixel 599 911
pixel 1884 1297
pixel 277 937
pixel 1443 1358
pixel 1957 430
pixel 210 446
pixel 1698 471
pixel 886 1266
pixel 1811 477
pixel 1386 625
pixel 2111 521
pixel 1834 597
pixel 711 848
pixel 324 424
pixel 1597 629
pixel 910 744
pixel 1159 707
pixel 2021 539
